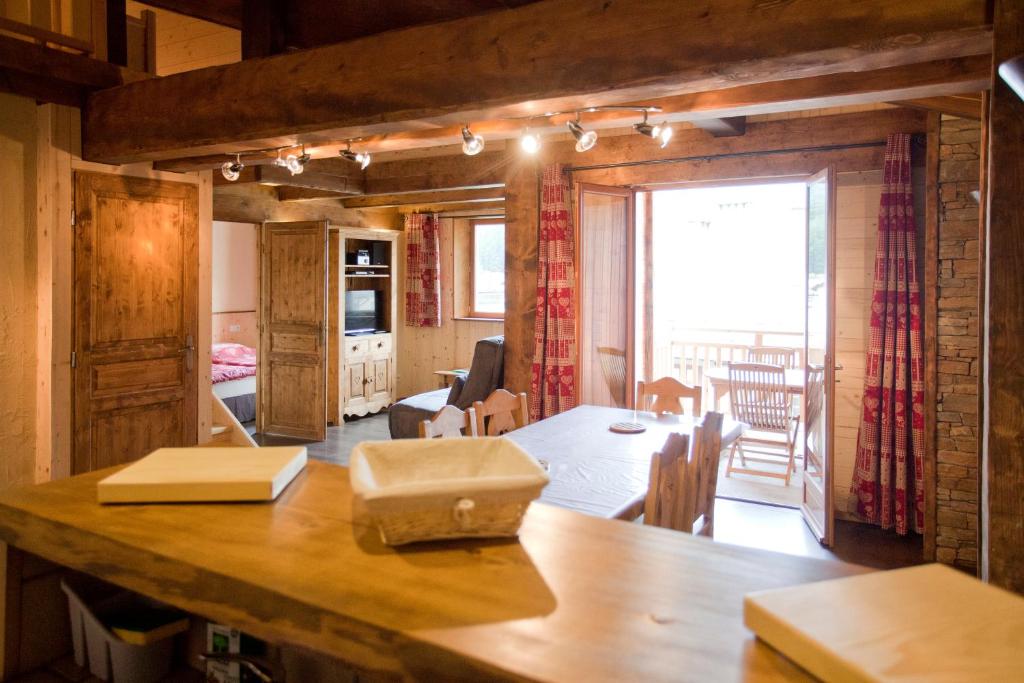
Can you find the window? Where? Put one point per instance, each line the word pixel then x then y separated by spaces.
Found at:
pixel 488 274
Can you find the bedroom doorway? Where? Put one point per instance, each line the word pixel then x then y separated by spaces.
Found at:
pixel 235 331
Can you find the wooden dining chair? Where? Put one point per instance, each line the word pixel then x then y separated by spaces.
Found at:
pixel 501 412
pixel 613 367
pixel 668 394
pixel 759 399
pixel 772 355
pixel 449 422
pixel 682 485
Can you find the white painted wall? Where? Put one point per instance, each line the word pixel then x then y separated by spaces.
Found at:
pixel 235 263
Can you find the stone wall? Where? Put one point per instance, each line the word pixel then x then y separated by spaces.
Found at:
pixel 958 366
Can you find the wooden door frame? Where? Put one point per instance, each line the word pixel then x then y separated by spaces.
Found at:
pixel 826 534
pixel 630 195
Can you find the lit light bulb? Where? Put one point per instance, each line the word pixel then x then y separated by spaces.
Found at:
pixel 585 139
pixel 471 144
pixel 530 142
pixel 231 170
pixel 292 163
pixel 364 159
pixel 663 134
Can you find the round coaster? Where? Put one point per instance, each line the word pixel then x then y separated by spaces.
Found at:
pixel 627 428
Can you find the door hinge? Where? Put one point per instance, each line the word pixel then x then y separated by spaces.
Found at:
pixel 74 359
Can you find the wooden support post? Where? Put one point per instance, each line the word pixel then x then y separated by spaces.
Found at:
pixel 931 312
pixel 117 33
pixel 1002 555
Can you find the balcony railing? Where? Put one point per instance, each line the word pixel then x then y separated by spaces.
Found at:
pixel 691 352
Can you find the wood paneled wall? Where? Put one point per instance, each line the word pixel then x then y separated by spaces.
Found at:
pixel 422 350
pixel 186 43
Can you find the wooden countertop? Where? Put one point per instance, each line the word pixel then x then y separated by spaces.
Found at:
pixel 579 598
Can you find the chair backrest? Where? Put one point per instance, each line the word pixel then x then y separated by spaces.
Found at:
pixel 772 355
pixel 449 422
pixel 757 393
pixel 613 367
pixel 486 373
pixel 682 484
pixel 501 412
pixel 668 394
pixel 815 396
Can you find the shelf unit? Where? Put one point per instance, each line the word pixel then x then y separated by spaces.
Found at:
pixel 361 369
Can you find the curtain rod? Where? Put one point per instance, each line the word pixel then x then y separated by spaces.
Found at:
pixel 727 155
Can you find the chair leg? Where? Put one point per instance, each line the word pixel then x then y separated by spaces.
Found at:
pixel 732 453
pixel 743 455
pixel 790 466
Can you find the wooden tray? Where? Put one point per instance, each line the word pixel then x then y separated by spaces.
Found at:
pixel 182 475
pixel 923 623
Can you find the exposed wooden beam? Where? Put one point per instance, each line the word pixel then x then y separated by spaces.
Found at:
pixel 724 127
pixel 431 198
pixel 224 12
pixel 945 76
pixel 286 193
pixel 452 209
pixel 964 106
pixel 327 176
pixel 56 76
pixel 1002 503
pixel 456 172
pixel 404 80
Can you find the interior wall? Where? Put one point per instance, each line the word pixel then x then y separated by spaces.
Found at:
pixel 186 43
pixel 422 350
pixel 18 140
pixel 235 260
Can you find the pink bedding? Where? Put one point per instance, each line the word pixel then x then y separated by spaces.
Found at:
pixel 224 373
pixel 234 354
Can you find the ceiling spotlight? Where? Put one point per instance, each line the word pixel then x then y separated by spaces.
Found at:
pixel 296 164
pixel 585 139
pixel 471 144
pixel 661 132
pixel 530 142
pixel 361 158
pixel 232 169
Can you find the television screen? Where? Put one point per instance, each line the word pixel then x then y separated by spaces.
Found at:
pixel 362 310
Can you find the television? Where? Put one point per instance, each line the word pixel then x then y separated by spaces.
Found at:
pixel 363 310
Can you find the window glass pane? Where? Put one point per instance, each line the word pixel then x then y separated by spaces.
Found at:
pixel 489 268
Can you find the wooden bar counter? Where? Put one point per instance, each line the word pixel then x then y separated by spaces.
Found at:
pixel 576 598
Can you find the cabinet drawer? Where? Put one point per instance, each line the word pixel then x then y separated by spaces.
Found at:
pixel 356 347
pixel 380 344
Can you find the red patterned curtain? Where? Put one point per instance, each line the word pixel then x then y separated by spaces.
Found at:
pixel 888 480
pixel 422 270
pixel 553 376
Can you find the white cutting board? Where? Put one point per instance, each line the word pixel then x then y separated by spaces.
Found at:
pixel 926 623
pixel 182 475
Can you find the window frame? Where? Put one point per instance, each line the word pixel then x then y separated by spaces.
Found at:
pixel 473 312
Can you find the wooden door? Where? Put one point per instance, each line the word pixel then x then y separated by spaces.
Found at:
pixel 136 319
pixel 379 376
pixel 606 247
pixel 293 330
pixel 819 351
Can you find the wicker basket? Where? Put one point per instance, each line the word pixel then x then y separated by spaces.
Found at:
pixel 428 489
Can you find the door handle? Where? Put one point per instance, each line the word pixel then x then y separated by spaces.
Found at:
pixel 188 351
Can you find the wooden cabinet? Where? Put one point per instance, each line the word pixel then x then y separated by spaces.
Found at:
pixel 368 376
pixel 362 368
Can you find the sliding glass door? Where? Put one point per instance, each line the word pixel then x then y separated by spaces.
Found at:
pixel 606 248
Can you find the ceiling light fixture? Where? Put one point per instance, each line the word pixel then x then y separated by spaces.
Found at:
pixel 530 141
pixel 585 139
pixel 361 158
pixel 661 132
pixel 231 170
pixel 296 164
pixel 471 144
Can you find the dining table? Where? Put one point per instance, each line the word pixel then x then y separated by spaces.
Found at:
pixel 718 378
pixel 595 470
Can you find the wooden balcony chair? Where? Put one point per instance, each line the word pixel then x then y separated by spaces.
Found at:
pixel 682 486
pixel 815 402
pixel 500 413
pixel 668 394
pixel 449 422
pixel 613 367
pixel 772 355
pixel 757 392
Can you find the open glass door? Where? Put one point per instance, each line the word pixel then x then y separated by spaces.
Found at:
pixel 606 244
pixel 819 352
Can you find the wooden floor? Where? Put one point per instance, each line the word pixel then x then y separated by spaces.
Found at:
pixel 740 523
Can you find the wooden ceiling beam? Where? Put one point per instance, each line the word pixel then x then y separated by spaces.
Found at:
pixel 287 193
pixel 940 77
pixel 321 178
pixel 436 197
pixel 725 127
pixel 452 172
pixel 501 65
pixel 964 106
pixel 51 75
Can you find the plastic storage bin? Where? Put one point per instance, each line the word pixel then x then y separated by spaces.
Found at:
pixel 109 657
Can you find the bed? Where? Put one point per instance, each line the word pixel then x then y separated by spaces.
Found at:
pixel 233 373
